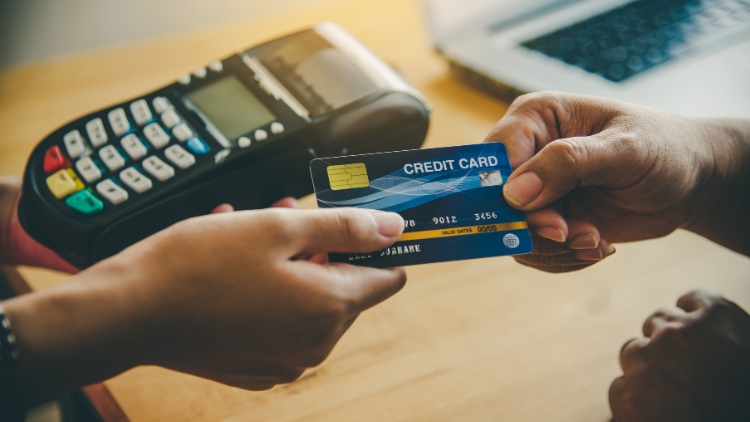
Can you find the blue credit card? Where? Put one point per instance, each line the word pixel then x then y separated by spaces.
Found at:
pixel 451 200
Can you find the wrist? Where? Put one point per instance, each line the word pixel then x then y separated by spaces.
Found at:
pixel 721 200
pixel 81 332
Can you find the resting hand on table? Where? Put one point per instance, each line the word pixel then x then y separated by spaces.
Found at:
pixel 232 297
pixel 693 364
pixel 591 172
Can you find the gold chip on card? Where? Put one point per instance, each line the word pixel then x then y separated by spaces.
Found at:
pixel 348 176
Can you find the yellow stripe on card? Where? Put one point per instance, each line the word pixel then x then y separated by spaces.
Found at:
pixel 463 231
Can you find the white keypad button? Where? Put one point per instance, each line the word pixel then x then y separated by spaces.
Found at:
pixel 135 180
pixel 156 135
pixel 243 142
pixel 260 135
pixel 88 170
pixel 277 128
pixel 200 72
pixel 184 79
pixel 97 133
pixel 216 66
pixel 179 156
pixel 170 119
pixel 133 146
pixel 74 144
pixel 111 157
pixel 182 132
pixel 119 121
pixel 112 191
pixel 161 104
pixel 140 111
pixel 158 168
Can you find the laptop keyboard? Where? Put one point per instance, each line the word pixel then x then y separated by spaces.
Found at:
pixel 638 36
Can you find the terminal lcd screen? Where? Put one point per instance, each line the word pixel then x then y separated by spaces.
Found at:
pixel 231 107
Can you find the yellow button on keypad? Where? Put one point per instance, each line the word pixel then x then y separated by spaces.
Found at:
pixel 63 183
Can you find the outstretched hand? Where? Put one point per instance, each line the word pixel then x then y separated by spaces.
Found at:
pixel 591 172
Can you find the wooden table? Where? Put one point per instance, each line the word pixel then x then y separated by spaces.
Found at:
pixel 475 340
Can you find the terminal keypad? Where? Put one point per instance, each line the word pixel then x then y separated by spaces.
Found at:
pixel 110 160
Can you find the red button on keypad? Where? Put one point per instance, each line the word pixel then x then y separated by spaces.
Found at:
pixel 55 160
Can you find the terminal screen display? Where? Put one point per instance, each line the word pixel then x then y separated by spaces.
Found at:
pixel 231 107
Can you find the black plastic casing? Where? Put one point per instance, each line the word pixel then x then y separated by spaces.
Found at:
pixel 251 178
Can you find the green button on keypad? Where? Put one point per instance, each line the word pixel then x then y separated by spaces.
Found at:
pixel 85 202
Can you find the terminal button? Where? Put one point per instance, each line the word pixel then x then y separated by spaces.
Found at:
pixel 156 135
pixel 200 72
pixel 216 66
pixel 179 156
pixel 260 135
pixel 170 119
pixel 54 160
pixel 134 147
pixel 135 180
pixel 112 191
pixel 63 183
pixel 119 121
pixel 161 104
pixel 182 132
pixel 141 112
pixel 85 202
pixel 277 128
pixel 158 168
pixel 243 142
pixel 74 144
pixel 88 169
pixel 197 146
pixel 97 133
pixel 184 79
pixel 111 157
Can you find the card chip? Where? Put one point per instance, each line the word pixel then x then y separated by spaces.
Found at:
pixel 348 176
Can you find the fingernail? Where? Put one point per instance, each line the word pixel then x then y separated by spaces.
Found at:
pixel 523 189
pixel 611 250
pixel 584 241
pixel 389 224
pixel 590 255
pixel 551 233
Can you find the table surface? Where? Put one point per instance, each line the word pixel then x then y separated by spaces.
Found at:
pixel 475 340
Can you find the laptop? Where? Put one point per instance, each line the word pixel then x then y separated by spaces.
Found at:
pixel 686 56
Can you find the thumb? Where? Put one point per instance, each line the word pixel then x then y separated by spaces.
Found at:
pixel 346 230
pixel 561 166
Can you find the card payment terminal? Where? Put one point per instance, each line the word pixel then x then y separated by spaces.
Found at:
pixel 241 130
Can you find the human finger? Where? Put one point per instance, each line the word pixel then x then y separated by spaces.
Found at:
pixel 661 318
pixel 698 299
pixel 365 287
pixel 548 223
pixel 553 269
pixel 288 202
pixel 535 120
pixel 633 352
pixel 567 163
pixel 342 230
pixel 548 253
pixel 223 208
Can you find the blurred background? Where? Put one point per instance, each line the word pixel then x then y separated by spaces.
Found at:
pixel 36 30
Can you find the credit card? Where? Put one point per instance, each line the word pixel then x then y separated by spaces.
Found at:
pixel 451 200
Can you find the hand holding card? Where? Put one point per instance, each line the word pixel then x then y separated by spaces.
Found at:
pixel 451 200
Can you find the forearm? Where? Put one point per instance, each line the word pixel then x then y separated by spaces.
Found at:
pixel 81 332
pixel 722 205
